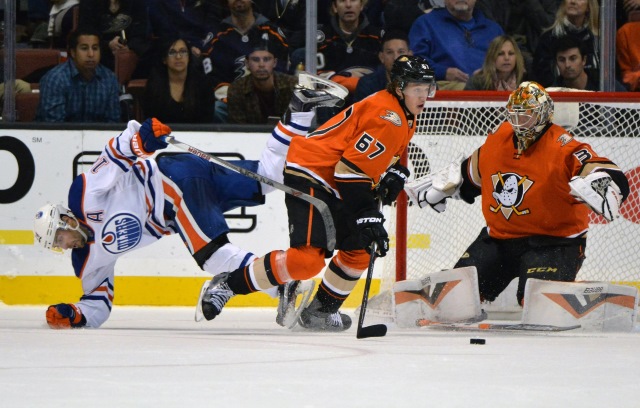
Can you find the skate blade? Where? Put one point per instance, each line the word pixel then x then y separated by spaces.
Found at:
pixel 310 81
pixel 199 315
pixel 305 290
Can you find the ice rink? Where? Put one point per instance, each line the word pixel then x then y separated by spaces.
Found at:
pixel 159 357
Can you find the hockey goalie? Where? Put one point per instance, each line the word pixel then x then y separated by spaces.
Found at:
pixel 537 186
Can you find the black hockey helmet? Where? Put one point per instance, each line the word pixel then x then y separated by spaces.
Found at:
pixel 411 68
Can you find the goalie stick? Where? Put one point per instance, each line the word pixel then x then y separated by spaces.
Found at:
pixel 320 205
pixel 492 326
pixel 376 330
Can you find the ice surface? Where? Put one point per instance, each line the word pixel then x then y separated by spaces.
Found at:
pixel 159 357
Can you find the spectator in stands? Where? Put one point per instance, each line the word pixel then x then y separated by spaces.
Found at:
pixel 80 89
pixel 177 90
pixel 571 60
pixel 394 44
pixel 578 19
pixel 626 11
pixel 523 20
pixel 348 46
pixel 61 22
pixel 191 20
pixel 628 54
pixel 289 16
pixel 224 54
pixel 503 68
pixel 400 14
pixel 264 93
pixel 454 40
pixel 123 23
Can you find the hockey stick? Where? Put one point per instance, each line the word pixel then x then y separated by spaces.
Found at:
pixel 375 330
pixel 320 205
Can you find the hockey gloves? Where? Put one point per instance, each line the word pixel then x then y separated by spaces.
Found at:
pixel 371 228
pixel 599 192
pixel 65 316
pixel 149 138
pixel 392 183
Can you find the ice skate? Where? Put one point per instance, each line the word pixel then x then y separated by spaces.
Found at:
pixel 213 296
pixel 287 297
pixel 313 319
pixel 313 92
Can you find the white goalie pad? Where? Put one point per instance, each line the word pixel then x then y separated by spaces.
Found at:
pixel 445 296
pixel 595 306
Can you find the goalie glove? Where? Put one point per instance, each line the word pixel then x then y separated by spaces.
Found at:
pixel 392 183
pixel 434 188
pixel 65 316
pixel 599 192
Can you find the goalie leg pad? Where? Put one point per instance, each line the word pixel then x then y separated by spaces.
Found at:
pixel 446 296
pixel 595 306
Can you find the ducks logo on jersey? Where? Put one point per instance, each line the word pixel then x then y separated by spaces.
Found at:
pixel 508 191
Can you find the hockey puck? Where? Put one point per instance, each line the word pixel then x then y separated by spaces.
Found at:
pixel 477 341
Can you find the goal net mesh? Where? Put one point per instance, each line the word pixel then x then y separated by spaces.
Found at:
pixel 450 127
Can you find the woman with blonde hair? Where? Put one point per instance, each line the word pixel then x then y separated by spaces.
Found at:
pixel 503 68
pixel 575 18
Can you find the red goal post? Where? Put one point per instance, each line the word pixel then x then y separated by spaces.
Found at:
pixel 457 122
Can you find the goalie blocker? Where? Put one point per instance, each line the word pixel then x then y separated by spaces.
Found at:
pixel 446 296
pixel 595 306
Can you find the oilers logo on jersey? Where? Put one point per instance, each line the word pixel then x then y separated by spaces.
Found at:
pixel 509 190
pixel 121 233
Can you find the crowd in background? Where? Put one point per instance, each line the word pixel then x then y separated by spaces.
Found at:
pixel 234 61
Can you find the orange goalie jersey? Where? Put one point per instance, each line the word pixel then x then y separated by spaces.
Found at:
pixel 528 194
pixel 357 145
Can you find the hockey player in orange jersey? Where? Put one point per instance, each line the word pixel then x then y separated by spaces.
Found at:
pixel 534 179
pixel 348 162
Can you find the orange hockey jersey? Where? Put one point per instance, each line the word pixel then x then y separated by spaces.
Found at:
pixel 528 194
pixel 357 145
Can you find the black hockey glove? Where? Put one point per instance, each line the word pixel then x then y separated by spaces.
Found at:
pixel 392 183
pixel 371 228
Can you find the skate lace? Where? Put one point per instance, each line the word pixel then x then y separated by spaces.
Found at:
pixel 334 320
pixel 220 295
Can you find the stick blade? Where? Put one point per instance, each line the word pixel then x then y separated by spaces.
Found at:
pixel 376 330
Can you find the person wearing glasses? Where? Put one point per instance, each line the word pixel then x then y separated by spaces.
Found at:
pixel 264 93
pixel 178 90
pixel 454 40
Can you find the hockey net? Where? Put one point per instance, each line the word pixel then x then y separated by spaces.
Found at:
pixel 457 122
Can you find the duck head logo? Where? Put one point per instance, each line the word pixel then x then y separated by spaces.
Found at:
pixel 508 191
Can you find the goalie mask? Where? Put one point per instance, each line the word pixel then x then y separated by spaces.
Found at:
pixel 48 222
pixel 529 109
pixel 410 68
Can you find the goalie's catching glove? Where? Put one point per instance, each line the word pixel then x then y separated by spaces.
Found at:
pixel 65 316
pixel 150 138
pixel 599 192
pixel 371 228
pixel 393 183
pixel 434 188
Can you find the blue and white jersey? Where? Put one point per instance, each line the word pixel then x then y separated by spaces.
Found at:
pixel 120 201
